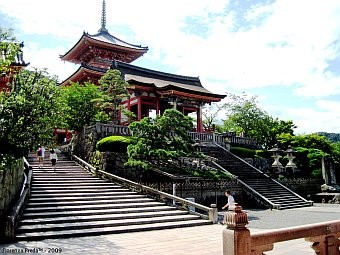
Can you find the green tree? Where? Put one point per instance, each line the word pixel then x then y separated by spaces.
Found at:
pixel 8 49
pixel 115 90
pixel 244 115
pixel 82 108
pixel 310 150
pixel 155 141
pixel 29 113
pixel 210 116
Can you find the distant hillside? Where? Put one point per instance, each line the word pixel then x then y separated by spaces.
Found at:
pixel 334 137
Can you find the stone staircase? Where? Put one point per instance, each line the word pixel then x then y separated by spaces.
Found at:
pixel 267 191
pixel 70 202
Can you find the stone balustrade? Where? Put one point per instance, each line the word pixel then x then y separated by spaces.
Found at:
pixel 237 239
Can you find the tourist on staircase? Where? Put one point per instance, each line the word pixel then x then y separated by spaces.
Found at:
pixel 53 158
pixel 41 156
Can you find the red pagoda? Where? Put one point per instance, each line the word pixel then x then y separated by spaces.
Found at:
pixel 149 89
pixel 15 66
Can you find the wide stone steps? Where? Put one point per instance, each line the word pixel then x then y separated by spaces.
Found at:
pixel 85 202
pixel 69 202
pixel 109 230
pixel 101 217
pixel 104 223
pixel 96 212
pixel 262 184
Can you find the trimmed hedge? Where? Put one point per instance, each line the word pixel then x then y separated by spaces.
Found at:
pixel 242 152
pixel 263 154
pixel 113 144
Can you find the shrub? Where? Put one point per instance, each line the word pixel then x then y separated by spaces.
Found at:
pixel 113 144
pixel 263 154
pixel 242 152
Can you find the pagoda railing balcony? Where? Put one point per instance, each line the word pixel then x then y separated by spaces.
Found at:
pixel 110 129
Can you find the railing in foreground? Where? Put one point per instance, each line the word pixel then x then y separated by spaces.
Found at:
pixel 211 213
pixel 15 215
pixel 237 239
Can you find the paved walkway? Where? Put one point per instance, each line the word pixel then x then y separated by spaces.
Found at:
pixel 202 240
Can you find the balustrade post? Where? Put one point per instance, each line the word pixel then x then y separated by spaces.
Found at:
pixel 10 229
pixel 236 237
pixel 213 213
pixel 324 244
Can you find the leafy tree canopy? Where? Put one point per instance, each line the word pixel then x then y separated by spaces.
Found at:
pixel 156 141
pixel 310 150
pixel 8 48
pixel 29 113
pixel 82 106
pixel 245 116
pixel 115 90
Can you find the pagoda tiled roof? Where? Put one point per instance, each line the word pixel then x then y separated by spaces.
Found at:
pixel 106 37
pixel 160 80
pixel 105 40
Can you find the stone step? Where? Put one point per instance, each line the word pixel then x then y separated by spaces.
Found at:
pixel 52 214
pixel 66 181
pixel 104 223
pixel 72 186
pixel 81 194
pixel 84 190
pixel 84 198
pixel 85 202
pixel 92 207
pixel 109 230
pixel 100 217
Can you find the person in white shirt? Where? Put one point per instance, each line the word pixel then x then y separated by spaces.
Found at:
pixel 228 205
pixel 41 156
pixel 53 158
pixel 231 200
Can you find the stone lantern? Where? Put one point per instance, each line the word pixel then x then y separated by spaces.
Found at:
pixel 290 165
pixel 276 155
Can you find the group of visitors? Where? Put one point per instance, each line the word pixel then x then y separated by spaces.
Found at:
pixel 41 157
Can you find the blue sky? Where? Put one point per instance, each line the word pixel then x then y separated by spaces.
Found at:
pixel 285 52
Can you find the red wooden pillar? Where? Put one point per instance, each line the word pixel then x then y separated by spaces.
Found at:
pixel 199 119
pixel 129 104
pixel 157 106
pixel 139 107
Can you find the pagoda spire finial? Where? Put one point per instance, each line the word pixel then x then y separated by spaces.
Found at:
pixel 103 19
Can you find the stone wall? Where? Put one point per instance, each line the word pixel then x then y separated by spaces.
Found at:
pixel 11 180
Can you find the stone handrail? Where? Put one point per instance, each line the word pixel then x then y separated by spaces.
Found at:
pixel 206 137
pixel 271 204
pixel 211 213
pixel 237 239
pixel 267 176
pixel 15 215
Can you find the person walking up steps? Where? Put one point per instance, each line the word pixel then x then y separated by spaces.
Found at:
pixel 53 158
pixel 41 156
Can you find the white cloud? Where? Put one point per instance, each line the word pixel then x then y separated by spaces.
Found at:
pixel 285 43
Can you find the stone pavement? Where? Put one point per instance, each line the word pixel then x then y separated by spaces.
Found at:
pixel 202 240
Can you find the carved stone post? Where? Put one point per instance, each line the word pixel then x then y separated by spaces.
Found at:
pixel 236 237
pixel 213 213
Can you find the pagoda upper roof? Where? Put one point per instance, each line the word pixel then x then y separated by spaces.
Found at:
pixel 105 36
pixel 105 40
pixel 161 81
